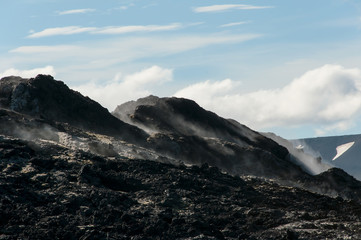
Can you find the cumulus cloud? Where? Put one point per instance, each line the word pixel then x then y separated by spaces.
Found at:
pixel 49 70
pixel 70 30
pixel 225 7
pixel 329 96
pixel 76 11
pixel 126 88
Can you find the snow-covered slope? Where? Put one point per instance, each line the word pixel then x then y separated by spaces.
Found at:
pixel 341 151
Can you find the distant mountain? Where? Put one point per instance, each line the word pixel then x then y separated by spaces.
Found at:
pixel 340 151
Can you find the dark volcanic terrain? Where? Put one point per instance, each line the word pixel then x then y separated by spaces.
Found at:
pixel 158 168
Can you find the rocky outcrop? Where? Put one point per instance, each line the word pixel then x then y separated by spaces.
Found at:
pixel 335 182
pixel 181 129
pixel 51 100
pixel 185 117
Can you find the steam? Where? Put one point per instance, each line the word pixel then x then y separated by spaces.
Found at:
pixel 302 155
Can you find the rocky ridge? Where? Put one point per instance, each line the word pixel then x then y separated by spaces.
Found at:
pixel 181 129
pixel 143 177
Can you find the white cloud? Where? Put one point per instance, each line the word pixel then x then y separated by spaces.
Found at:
pixel 70 30
pixel 120 50
pixel 329 96
pixel 121 8
pixel 100 59
pixel 136 28
pixel 76 11
pixel 49 70
pixel 129 87
pixel 233 24
pixel 225 7
pixel 43 49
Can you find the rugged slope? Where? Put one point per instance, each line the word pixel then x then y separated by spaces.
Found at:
pixel 184 127
pixel 51 192
pixel 194 135
pixel 185 117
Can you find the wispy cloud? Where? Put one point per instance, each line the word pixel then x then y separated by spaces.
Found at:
pixel 225 7
pixel 76 11
pixel 43 49
pixel 70 30
pixel 136 28
pixel 233 24
pixel 129 48
pixel 121 8
pixel 100 59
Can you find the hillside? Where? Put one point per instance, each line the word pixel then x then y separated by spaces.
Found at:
pixel 160 168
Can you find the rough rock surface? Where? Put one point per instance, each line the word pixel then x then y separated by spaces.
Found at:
pixel 181 129
pixel 53 193
pixel 185 117
pixel 65 178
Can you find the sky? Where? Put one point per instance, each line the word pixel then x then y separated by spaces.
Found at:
pixel 288 67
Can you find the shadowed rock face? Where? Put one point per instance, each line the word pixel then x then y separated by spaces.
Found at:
pixel 185 117
pixel 52 100
pixel 184 130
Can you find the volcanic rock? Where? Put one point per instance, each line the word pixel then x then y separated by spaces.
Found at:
pixel 70 170
pixel 54 193
pixel 51 100
pixel 185 117
pixel 181 129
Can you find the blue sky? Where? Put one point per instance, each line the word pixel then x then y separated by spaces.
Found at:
pixel 290 67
